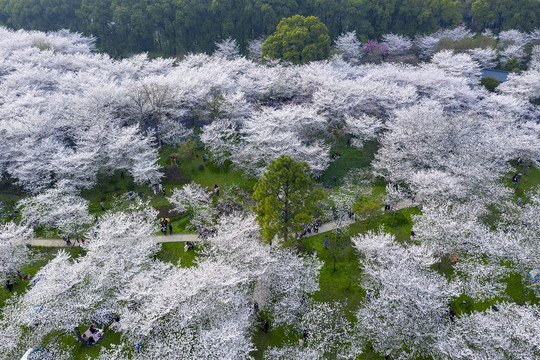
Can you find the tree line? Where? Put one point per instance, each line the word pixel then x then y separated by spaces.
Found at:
pixel 176 27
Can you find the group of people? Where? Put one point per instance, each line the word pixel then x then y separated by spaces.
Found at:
pixel 166 222
pixel 314 227
pixel 189 245
pixel 336 156
pixel 159 189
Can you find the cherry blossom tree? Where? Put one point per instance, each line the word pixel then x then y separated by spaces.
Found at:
pixel 397 44
pixel 512 37
pixel 457 64
pixel 271 133
pixel 363 128
pixel 59 208
pixel 487 57
pixel 402 312
pixel 349 45
pixel 227 48
pixel 220 137
pixel 453 152
pixel 326 333
pixel 255 48
pixel 196 201
pixel 512 52
pixel 507 333
pixel 13 250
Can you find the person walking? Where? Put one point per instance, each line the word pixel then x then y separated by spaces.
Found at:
pixel 122 174
pixel 170 229
pixel 102 206
pixel 216 190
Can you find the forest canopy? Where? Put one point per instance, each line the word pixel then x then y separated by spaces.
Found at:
pixel 176 27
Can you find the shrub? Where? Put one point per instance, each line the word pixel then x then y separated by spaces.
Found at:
pixel 512 65
pixel 490 83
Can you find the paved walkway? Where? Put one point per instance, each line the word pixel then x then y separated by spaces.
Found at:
pixel 176 237
pixel 157 238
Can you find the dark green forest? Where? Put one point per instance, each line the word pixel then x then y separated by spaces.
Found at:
pixel 176 27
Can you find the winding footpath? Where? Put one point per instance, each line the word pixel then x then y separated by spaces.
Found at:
pixel 333 225
pixel 174 237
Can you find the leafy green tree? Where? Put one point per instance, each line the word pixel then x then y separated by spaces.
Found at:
pixel 490 83
pixel 298 39
pixel 285 197
pixel 481 13
pixel 512 65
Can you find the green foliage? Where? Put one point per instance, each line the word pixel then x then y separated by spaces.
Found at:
pixel 176 27
pixel 467 43
pixel 285 196
pixel 298 39
pixel 481 13
pixel 490 83
pixel 512 65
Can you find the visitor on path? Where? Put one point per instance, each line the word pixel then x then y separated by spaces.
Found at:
pixel 205 157
pixel 160 188
pixel 519 200
pixel 326 243
pixel 451 312
pixel 172 191
pixel 164 229
pixel 170 229
pixel 175 163
pixel 216 190
pixel 164 192
pixel 265 326
pixel 102 206
pixel 9 285
pixel 334 179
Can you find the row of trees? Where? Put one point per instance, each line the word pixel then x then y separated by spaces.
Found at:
pixel 171 27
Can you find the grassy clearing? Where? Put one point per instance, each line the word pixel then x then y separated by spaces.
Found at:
pixel 530 180
pixel 83 352
pixel 174 253
pixel 351 158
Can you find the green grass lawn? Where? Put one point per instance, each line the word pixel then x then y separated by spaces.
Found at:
pixel 530 180
pixel 351 158
pixel 174 253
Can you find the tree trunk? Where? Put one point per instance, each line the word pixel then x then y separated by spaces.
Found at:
pixel 78 334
